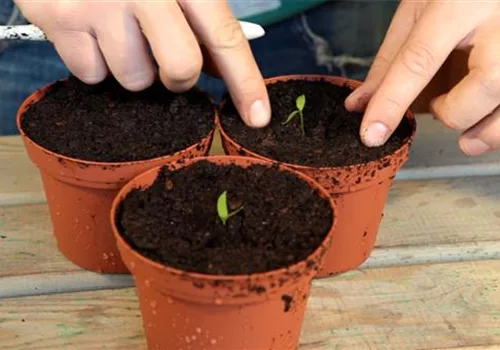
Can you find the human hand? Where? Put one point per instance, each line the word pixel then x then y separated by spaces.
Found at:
pixel 420 38
pixel 94 38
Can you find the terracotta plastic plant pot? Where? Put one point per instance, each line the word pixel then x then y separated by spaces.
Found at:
pixel 80 193
pixel 361 190
pixel 186 310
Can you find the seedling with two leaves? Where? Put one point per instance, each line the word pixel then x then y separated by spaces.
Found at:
pixel 300 103
pixel 223 210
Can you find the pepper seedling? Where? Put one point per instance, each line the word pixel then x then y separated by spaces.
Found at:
pixel 223 210
pixel 300 103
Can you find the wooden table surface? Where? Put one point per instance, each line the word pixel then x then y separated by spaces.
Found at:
pixel 433 281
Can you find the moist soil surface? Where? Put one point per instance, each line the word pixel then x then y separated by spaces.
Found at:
pixel 107 123
pixel 175 221
pixel 331 132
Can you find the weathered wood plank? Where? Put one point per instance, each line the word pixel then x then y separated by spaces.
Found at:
pixel 417 307
pixel 443 211
pixel 428 254
pixel 418 214
pixel 436 145
pixel 19 178
pixel 27 244
pixel 77 281
pixel 441 306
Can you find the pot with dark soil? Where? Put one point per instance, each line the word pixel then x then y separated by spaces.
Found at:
pixel 89 140
pixel 223 251
pixel 312 132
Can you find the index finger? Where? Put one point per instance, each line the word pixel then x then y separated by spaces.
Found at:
pixel 434 36
pixel 225 41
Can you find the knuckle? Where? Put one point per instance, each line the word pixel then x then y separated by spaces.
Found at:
pixel 419 59
pixel 378 67
pixel 490 80
pixel 63 13
pixel 227 35
pixel 380 62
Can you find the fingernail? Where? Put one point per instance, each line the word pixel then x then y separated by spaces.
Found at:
pixel 474 147
pixel 260 115
pixel 375 134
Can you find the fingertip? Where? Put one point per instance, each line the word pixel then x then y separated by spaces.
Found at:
pixel 260 114
pixel 375 134
pixel 472 146
pixel 435 105
pixel 138 81
pixel 80 53
pixel 90 74
pixel 178 85
pixel 90 79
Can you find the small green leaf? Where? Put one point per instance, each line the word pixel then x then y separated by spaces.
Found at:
pixel 222 207
pixel 301 102
pixel 290 117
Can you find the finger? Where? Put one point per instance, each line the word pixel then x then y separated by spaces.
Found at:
pixel 478 94
pixel 173 43
pixel 483 137
pixel 398 31
pixel 81 55
pixel 473 98
pixel 432 39
pixel 125 50
pixel 223 37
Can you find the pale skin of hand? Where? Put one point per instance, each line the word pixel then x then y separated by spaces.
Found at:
pixel 420 38
pixel 95 38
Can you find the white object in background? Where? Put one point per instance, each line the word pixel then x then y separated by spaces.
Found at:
pixel 251 30
pixel 33 33
pixel 22 32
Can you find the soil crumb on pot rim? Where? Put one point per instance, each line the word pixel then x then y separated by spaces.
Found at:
pixel 175 221
pixel 331 132
pixel 107 123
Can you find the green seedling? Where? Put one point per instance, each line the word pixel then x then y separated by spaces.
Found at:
pixel 223 210
pixel 300 103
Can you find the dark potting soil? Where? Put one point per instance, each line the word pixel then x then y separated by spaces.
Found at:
pixel 331 132
pixel 175 221
pixel 107 123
